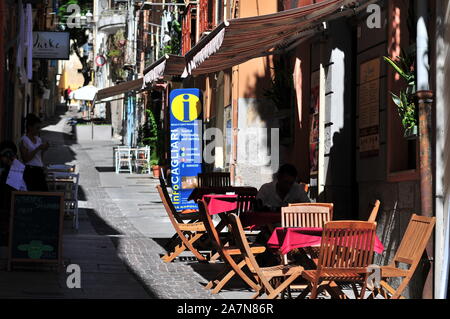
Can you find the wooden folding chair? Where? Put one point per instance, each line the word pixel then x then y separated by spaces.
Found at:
pixel 245 203
pixel 307 215
pixel 227 253
pixel 346 251
pixel 374 213
pixel 410 251
pixel 214 179
pixel 265 275
pixel 188 232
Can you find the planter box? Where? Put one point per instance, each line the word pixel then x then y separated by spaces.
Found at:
pixel 102 132
pixel 83 132
pixel 95 133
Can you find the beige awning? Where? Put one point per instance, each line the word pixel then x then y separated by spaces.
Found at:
pixel 118 89
pixel 236 41
pixel 168 65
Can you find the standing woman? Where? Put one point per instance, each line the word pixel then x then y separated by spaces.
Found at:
pixel 31 149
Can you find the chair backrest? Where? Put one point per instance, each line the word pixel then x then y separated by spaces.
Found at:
pixel 306 215
pixel 374 213
pixel 143 153
pixel 347 245
pixel 59 181
pixel 124 152
pixel 168 205
pixel 415 240
pixel 214 179
pixel 245 203
pixel 209 226
pixel 244 246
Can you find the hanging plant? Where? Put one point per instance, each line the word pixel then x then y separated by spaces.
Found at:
pixel 404 100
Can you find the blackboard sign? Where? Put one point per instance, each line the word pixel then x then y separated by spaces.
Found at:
pixel 36 227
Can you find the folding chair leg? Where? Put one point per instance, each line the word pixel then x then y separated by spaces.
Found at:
pixel 305 292
pixel 283 286
pixel 185 244
pixel 395 294
pixel 314 290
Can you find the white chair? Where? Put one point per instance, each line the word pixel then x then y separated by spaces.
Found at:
pixel 123 159
pixel 66 183
pixel 142 159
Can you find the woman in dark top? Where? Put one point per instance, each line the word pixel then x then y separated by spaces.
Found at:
pixel 31 149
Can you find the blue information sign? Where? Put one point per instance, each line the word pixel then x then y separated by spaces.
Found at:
pixel 185 145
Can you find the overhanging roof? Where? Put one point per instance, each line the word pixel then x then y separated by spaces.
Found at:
pixel 236 41
pixel 166 66
pixel 118 89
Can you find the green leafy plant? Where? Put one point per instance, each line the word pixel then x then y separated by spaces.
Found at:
pixel 404 66
pixel 174 45
pixel 149 134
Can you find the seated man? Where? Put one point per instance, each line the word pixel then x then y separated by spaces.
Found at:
pixel 281 192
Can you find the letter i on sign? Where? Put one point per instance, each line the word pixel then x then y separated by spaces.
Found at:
pixel 186 104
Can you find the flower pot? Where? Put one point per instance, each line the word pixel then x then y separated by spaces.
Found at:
pixel 156 171
pixel 411 133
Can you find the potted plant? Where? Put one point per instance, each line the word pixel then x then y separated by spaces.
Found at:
pixel 406 106
pixel 149 135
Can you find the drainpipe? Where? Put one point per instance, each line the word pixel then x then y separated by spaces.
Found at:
pixel 425 103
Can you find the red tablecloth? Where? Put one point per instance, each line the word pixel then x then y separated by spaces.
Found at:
pixel 287 239
pixel 258 219
pixel 199 192
pixel 220 203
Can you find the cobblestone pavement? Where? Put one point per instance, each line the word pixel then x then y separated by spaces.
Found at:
pixel 115 202
pixel 103 274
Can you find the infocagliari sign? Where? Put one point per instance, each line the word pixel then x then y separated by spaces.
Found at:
pixel 185 145
pixel 51 45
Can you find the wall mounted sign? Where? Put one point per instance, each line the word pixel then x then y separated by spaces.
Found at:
pixel 51 45
pixel 369 109
pixel 185 145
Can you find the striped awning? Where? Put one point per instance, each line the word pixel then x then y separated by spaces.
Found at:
pixel 119 89
pixel 168 65
pixel 236 41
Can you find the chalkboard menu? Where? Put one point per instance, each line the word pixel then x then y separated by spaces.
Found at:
pixel 36 227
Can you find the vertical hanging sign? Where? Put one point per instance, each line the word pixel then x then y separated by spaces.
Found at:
pixel 185 145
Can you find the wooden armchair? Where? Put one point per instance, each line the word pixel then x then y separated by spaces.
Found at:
pixel 232 265
pixel 214 179
pixel 187 226
pixel 265 275
pixel 410 251
pixel 374 213
pixel 346 251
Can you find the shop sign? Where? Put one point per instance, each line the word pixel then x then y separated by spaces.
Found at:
pixel 51 45
pixel 369 109
pixel 185 145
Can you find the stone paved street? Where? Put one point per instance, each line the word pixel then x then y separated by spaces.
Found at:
pixel 123 227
